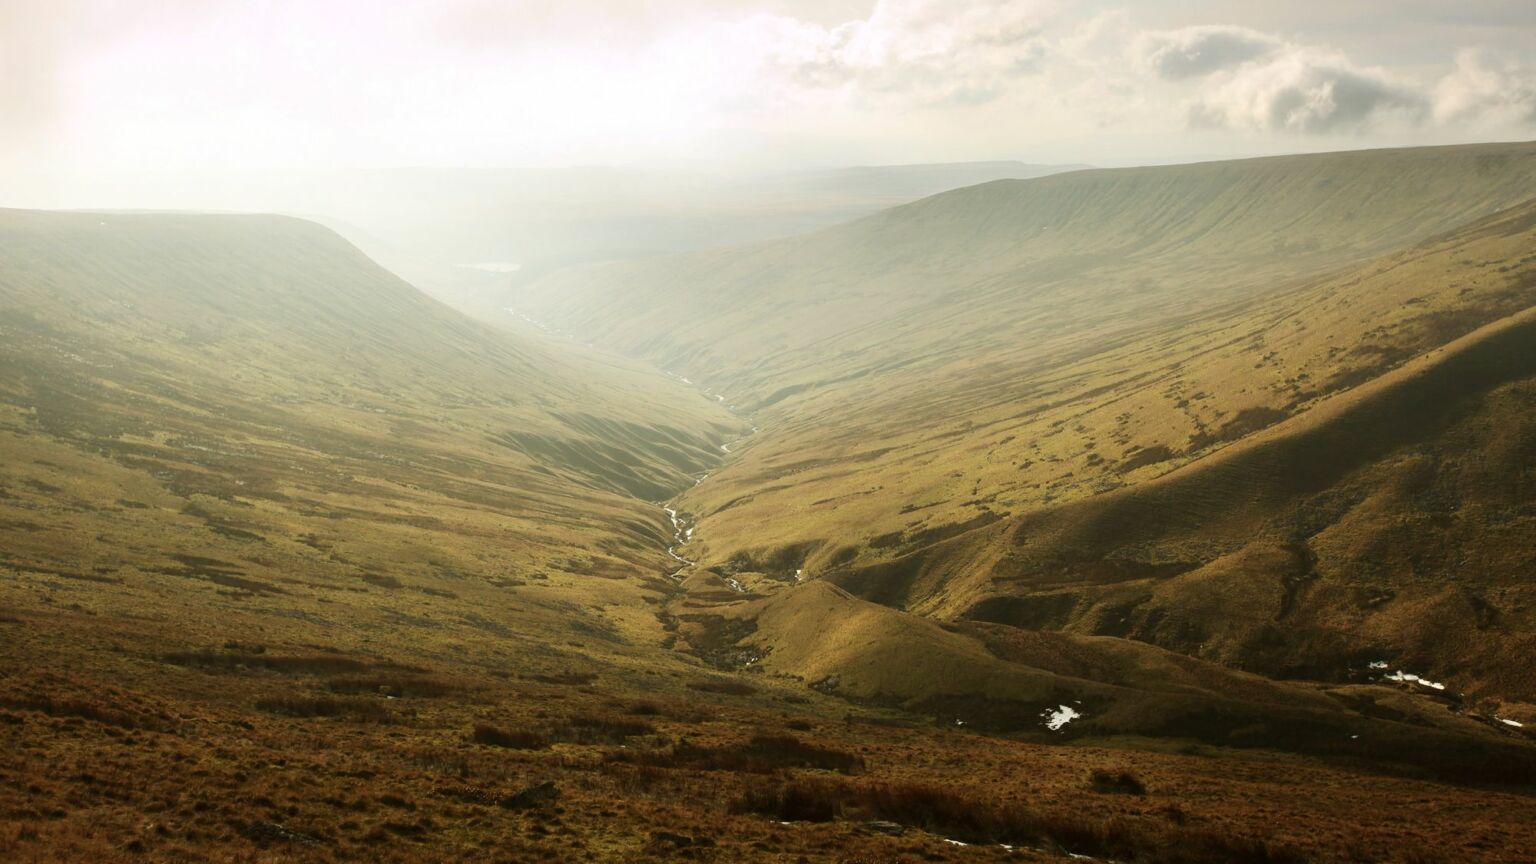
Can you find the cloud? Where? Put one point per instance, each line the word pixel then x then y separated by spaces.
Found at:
pixel 922 52
pixel 1193 52
pixel 1486 88
pixel 1307 90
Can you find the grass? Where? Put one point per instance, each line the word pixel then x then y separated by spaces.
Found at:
pixel 761 754
pixel 365 710
pixel 292 554
pixel 951 813
pixel 581 729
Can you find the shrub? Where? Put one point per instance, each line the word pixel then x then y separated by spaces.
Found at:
pixel 576 730
pixel 401 686
pixel 1111 782
pixel 729 688
pixel 325 706
pixel 518 739
pixel 950 813
pixel 763 754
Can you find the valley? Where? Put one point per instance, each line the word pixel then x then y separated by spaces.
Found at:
pixel 1170 514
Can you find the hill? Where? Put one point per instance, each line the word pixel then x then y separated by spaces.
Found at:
pixel 1270 414
pixel 301 564
pixel 250 404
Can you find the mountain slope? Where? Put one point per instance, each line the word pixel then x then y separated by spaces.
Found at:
pixel 1023 271
pixel 249 404
pixel 1329 366
pixel 947 362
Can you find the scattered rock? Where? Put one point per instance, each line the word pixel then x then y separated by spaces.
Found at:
pixel 895 829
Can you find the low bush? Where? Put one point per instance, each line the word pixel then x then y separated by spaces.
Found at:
pixel 956 815
pixel 399 686
pixel 325 706
pixel 1116 782
pixel 583 729
pixel 761 755
pixel 728 688
pixel 515 739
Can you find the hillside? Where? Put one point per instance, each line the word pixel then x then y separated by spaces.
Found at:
pixel 1261 456
pixel 920 393
pixel 299 563
pixel 250 404
pixel 466 236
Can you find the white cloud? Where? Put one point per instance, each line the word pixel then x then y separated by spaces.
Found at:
pixel 923 52
pixel 1307 90
pixel 1486 88
pixel 1193 52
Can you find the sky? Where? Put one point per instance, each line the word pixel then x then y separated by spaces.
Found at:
pixel 159 96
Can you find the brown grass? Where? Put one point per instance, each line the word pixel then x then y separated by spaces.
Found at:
pixel 957 815
pixel 762 754
pixel 366 710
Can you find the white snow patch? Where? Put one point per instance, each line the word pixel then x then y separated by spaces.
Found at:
pixel 1409 678
pixel 1378 664
pixel 1056 720
pixel 1515 723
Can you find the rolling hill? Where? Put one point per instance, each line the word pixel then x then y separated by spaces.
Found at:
pixel 1203 515
pixel 1227 409
pixel 249 404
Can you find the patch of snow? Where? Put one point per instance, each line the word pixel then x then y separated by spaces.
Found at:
pixel 955 842
pixel 1409 678
pixel 1058 719
pixel 1515 723
pixel 1378 664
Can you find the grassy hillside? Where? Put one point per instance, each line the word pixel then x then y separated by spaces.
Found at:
pixel 249 406
pixel 938 356
pixel 966 417
pixel 1025 272
pixel 300 565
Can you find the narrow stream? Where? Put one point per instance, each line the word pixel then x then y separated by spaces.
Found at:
pixel 682 526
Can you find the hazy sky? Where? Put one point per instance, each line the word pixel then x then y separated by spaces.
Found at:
pixel 178 89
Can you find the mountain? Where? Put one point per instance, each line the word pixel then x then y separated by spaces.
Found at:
pixel 466 235
pixel 1267 413
pixel 250 404
pixel 1166 515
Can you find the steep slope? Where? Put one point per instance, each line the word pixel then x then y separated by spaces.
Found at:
pixel 299 565
pixel 250 405
pixel 1023 271
pixel 1392 524
pixel 1343 425
pixel 1360 493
